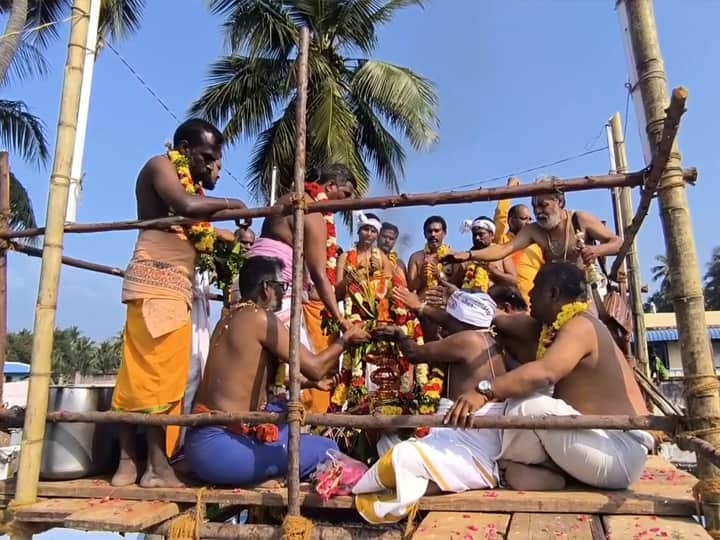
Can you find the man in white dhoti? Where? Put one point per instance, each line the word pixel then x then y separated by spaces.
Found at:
pixel 577 355
pixel 453 460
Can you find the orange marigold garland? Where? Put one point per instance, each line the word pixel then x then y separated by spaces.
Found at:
pixel 434 270
pixel 549 331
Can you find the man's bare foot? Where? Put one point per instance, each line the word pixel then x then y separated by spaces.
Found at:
pixel 126 473
pixel 532 478
pixel 163 479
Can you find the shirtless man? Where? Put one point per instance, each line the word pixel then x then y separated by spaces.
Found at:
pixel 450 460
pixel 335 182
pixel 590 376
pixel 246 348
pixel 387 240
pixel 157 290
pixel 425 263
pixel 554 231
pixel 503 271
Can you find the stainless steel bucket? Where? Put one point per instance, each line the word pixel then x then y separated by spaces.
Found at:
pixel 78 449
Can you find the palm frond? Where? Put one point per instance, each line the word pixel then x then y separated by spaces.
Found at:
pixel 385 13
pixel 29 61
pixel 274 147
pixel 22 131
pixel 42 12
pixel 22 215
pixel 120 18
pixel 242 93
pixel 406 100
pixel 381 148
pixel 260 27
pixel 352 25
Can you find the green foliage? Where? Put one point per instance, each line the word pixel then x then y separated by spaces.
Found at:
pixel 712 281
pixel 224 265
pixel 72 353
pixel 356 106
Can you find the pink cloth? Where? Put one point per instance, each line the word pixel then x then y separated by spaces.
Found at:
pixel 267 247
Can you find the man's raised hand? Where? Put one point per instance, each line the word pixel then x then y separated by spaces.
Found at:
pixel 355 335
pixel 456 258
pixel 407 297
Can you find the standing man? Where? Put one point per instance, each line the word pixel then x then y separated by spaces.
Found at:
pixel 387 240
pixel 509 220
pixel 158 293
pixel 482 275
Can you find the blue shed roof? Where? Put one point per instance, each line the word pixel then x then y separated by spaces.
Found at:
pixel 17 368
pixel 671 334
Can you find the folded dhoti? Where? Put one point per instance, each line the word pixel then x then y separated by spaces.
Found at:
pixel 607 459
pixel 454 459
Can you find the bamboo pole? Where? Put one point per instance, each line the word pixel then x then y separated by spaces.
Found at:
pixel 41 364
pixel 670 423
pixel 703 401
pixel 295 407
pixel 660 163
pixel 4 225
pixel 566 185
pixel 84 265
pixel 632 263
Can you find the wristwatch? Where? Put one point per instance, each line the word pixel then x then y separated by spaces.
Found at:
pixel 486 389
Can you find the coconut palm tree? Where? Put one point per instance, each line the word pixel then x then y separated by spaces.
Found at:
pixel 712 281
pixel 355 105
pixel 661 271
pixel 12 36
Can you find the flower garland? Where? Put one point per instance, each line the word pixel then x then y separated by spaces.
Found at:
pixel 430 384
pixel 434 270
pixel 203 234
pixel 476 277
pixel 393 258
pixel 317 192
pixel 549 331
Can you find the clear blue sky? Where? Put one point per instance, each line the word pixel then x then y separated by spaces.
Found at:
pixel 520 84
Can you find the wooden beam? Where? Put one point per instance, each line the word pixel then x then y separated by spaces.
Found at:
pixel 392 201
pixel 4 226
pixel 13 417
pixel 660 161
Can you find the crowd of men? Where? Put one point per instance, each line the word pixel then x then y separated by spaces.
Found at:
pixel 536 280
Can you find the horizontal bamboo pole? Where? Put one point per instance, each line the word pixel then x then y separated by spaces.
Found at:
pixel 392 201
pixel 13 417
pixel 670 130
pixel 82 264
pixel 699 446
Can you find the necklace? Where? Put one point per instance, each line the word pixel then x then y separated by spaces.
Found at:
pixel 557 247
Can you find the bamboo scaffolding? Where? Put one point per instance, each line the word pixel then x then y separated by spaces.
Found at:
pixel 295 407
pixel 668 424
pixel 703 401
pixel 270 532
pixel 660 163
pixel 4 226
pixel 632 268
pixel 84 265
pixel 566 185
pixel 41 363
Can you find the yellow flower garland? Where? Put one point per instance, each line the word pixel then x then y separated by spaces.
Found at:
pixel 567 313
pixel 476 277
pixel 203 234
pixel 432 273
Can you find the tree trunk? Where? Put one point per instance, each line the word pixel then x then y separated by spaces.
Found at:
pixel 14 32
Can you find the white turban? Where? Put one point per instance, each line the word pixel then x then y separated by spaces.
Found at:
pixel 364 221
pixel 468 225
pixel 473 308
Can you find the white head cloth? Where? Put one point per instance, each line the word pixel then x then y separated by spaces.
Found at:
pixel 473 308
pixel 363 220
pixel 468 225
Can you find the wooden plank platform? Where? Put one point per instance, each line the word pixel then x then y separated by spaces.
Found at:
pixel 653 528
pixel 551 526
pixel 98 514
pixel 462 526
pixel 662 490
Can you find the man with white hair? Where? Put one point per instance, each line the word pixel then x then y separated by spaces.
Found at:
pixel 482 275
pixel 449 459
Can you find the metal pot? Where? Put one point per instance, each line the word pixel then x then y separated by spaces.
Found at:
pixel 75 450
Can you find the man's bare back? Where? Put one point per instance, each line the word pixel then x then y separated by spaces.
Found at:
pixel 480 359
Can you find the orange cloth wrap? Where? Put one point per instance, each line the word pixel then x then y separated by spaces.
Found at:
pixel 154 370
pixel 314 400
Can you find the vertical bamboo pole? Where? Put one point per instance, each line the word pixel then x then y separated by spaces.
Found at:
pixel 4 224
pixel 295 406
pixel 686 286
pixel 41 365
pixel 632 260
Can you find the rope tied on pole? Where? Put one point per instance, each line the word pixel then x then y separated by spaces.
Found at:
pixel 701 386
pixel 188 525
pixel 296 412
pixel 297 528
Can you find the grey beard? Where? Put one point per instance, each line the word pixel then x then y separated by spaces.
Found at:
pixel 550 223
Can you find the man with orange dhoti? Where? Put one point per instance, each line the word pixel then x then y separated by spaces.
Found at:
pixel 158 293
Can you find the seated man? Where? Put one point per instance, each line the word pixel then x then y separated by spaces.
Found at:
pixel 576 354
pixel 453 460
pixel 244 353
